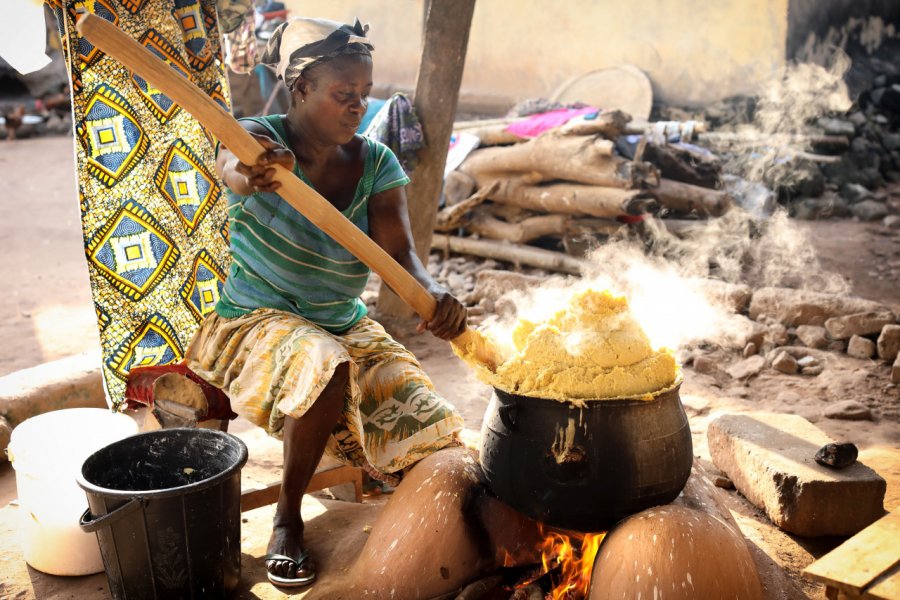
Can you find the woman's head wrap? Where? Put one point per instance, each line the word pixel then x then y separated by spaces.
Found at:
pixel 300 42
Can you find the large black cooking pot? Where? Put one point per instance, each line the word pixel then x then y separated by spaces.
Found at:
pixel 585 468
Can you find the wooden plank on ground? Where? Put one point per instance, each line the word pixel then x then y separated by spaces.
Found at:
pixel 888 586
pixel 265 495
pixel 856 563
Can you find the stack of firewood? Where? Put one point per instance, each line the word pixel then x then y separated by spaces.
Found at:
pixel 567 183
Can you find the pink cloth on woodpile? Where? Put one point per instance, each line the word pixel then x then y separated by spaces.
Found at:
pixel 537 124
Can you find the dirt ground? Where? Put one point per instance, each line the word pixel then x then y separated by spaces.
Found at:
pixel 49 315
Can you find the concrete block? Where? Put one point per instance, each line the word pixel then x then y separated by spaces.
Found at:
pixel 866 323
pixel 771 460
pixel 860 347
pixel 889 342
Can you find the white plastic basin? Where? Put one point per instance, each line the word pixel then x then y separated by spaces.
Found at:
pixel 47 452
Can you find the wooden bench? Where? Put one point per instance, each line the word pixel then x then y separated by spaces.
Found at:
pixel 865 566
pixel 268 494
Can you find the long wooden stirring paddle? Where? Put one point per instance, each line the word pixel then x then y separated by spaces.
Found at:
pixel 117 44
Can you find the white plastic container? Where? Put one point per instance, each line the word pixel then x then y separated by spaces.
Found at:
pixel 47 452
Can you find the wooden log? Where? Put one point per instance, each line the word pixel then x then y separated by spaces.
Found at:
pixel 609 124
pixel 457 187
pixel 683 165
pixel 446 38
pixel 590 225
pixel 455 216
pixel 575 199
pixel 510 212
pixel 513 253
pixel 495 132
pixel 495 135
pixel 686 198
pixel 552 156
pixel 488 226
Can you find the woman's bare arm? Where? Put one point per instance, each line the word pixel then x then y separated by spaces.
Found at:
pixel 248 179
pixel 389 227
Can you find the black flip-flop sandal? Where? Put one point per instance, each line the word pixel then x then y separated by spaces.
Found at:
pixel 290 581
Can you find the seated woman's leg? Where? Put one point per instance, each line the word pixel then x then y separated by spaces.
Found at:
pixel 293 378
pixel 399 416
pixel 304 443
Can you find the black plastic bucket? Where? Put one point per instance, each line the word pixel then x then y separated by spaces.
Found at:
pixel 166 506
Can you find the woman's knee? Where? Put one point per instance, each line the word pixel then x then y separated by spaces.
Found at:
pixel 341 376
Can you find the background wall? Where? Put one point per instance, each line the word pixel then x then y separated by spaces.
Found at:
pixel 693 51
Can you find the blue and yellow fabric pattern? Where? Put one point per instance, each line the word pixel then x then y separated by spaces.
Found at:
pixel 153 213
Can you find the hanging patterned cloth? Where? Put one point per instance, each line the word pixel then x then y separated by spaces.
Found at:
pixel 152 210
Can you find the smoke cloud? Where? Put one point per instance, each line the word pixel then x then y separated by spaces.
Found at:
pixel 666 277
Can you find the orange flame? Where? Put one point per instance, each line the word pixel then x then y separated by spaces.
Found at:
pixel 570 554
pixel 576 564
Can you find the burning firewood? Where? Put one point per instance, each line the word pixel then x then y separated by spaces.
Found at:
pixel 477 590
pixel 529 592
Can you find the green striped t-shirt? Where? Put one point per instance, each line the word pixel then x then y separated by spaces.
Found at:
pixel 282 261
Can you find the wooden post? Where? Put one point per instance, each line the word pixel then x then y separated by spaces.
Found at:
pixel 446 36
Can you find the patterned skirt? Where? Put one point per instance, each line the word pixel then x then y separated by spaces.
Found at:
pixel 273 363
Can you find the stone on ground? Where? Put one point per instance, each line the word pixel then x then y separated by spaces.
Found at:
pixel 869 210
pixel 785 363
pixel 734 296
pixel 771 460
pixel 889 342
pixel 867 323
pixel 793 308
pixel 849 410
pixel 747 368
pixel 860 347
pixel 812 336
pixel 705 364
